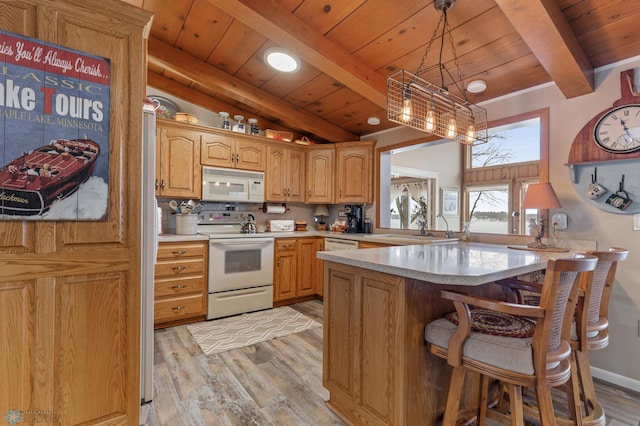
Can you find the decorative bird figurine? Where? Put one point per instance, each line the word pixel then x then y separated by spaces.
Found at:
pixel 536 230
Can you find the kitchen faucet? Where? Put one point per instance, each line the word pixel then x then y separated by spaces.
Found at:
pixel 448 233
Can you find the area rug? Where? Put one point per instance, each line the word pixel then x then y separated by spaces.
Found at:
pixel 248 329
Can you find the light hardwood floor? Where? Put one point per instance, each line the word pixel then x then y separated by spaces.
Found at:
pixel 278 382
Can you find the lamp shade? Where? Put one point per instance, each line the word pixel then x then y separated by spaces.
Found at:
pixel 540 196
pixel 321 210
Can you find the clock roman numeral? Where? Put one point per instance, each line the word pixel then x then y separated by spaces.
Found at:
pixel 626 112
pixel 606 140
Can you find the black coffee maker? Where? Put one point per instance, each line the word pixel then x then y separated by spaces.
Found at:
pixel 355 219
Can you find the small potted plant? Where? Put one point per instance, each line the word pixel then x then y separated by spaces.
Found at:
pixel 421 215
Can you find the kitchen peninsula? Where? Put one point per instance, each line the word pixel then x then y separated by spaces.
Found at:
pixel 376 303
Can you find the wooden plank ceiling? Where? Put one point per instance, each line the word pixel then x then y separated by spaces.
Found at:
pixel 210 53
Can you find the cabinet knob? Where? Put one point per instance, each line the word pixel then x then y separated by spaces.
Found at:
pixel 179 308
pixel 278 262
pixel 179 252
pixel 162 185
pixel 156 184
pixel 178 286
pixel 179 268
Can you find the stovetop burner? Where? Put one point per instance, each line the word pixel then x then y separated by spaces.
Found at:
pixel 224 224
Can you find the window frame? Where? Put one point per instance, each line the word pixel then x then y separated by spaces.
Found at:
pixel 509 174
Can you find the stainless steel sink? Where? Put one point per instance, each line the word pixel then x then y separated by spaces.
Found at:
pixel 419 238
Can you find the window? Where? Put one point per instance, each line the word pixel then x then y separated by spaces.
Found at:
pixel 404 202
pixel 497 173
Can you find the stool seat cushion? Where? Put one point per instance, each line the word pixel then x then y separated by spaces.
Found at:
pixel 508 353
pixel 496 323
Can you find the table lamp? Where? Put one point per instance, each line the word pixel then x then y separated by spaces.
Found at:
pixel 321 211
pixel 540 196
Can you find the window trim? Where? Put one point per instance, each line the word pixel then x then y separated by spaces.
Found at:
pixel 514 183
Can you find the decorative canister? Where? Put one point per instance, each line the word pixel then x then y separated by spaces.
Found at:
pixel 239 126
pixel 226 123
pixel 186 224
pixel 253 126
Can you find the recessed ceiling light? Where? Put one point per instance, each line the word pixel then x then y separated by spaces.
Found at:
pixel 476 86
pixel 281 60
pixel 374 121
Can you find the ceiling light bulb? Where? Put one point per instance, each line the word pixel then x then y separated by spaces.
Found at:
pixel 471 133
pixel 281 60
pixel 451 129
pixel 430 121
pixel 373 121
pixel 407 111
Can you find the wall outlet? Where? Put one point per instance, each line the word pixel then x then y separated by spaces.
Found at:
pixel 636 222
pixel 559 221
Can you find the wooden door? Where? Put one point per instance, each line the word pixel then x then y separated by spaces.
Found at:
pixel 180 170
pixel 251 155
pixel 285 270
pixel 275 175
pixel 307 266
pixel 320 176
pixel 354 166
pixel 295 174
pixel 70 291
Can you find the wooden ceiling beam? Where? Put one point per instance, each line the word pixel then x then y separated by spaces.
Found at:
pixel 200 99
pixel 168 57
pixel 543 27
pixel 277 24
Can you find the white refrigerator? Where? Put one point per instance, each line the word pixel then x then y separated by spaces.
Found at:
pixel 150 219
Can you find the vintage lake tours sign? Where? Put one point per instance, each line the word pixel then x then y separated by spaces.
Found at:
pixel 54 131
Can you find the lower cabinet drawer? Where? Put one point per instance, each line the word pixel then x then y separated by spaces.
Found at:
pixel 177 286
pixel 178 308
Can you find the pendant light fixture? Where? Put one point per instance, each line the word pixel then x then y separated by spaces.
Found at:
pixel 415 102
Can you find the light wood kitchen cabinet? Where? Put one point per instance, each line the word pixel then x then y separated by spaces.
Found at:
pixel 232 152
pixel 70 290
pixel 297 271
pixel 180 285
pixel 285 175
pixel 354 172
pixel 320 174
pixel 178 171
pixel 285 269
pixel 362 336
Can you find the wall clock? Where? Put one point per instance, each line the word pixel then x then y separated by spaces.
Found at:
pixel 613 134
pixel 610 143
pixel 618 130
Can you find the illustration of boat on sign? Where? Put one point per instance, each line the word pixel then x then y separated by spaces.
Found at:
pixel 30 183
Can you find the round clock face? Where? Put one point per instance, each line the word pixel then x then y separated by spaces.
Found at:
pixel 618 131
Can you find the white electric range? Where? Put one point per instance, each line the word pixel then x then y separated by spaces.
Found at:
pixel 240 265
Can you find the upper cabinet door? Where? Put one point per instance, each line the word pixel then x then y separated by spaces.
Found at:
pixel 296 175
pixel 320 176
pixel 251 155
pixel 354 171
pixel 233 152
pixel 217 151
pixel 180 171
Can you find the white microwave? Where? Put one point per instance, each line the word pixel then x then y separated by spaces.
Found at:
pixel 231 185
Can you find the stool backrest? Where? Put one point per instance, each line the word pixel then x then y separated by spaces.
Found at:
pixel 592 314
pixel 559 297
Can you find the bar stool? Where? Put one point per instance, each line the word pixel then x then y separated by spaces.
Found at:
pixel 524 353
pixel 590 330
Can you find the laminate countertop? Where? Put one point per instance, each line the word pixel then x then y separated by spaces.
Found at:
pixel 459 263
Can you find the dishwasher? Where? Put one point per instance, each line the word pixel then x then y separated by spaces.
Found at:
pixel 333 244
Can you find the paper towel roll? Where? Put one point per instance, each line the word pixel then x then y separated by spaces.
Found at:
pixel 276 208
